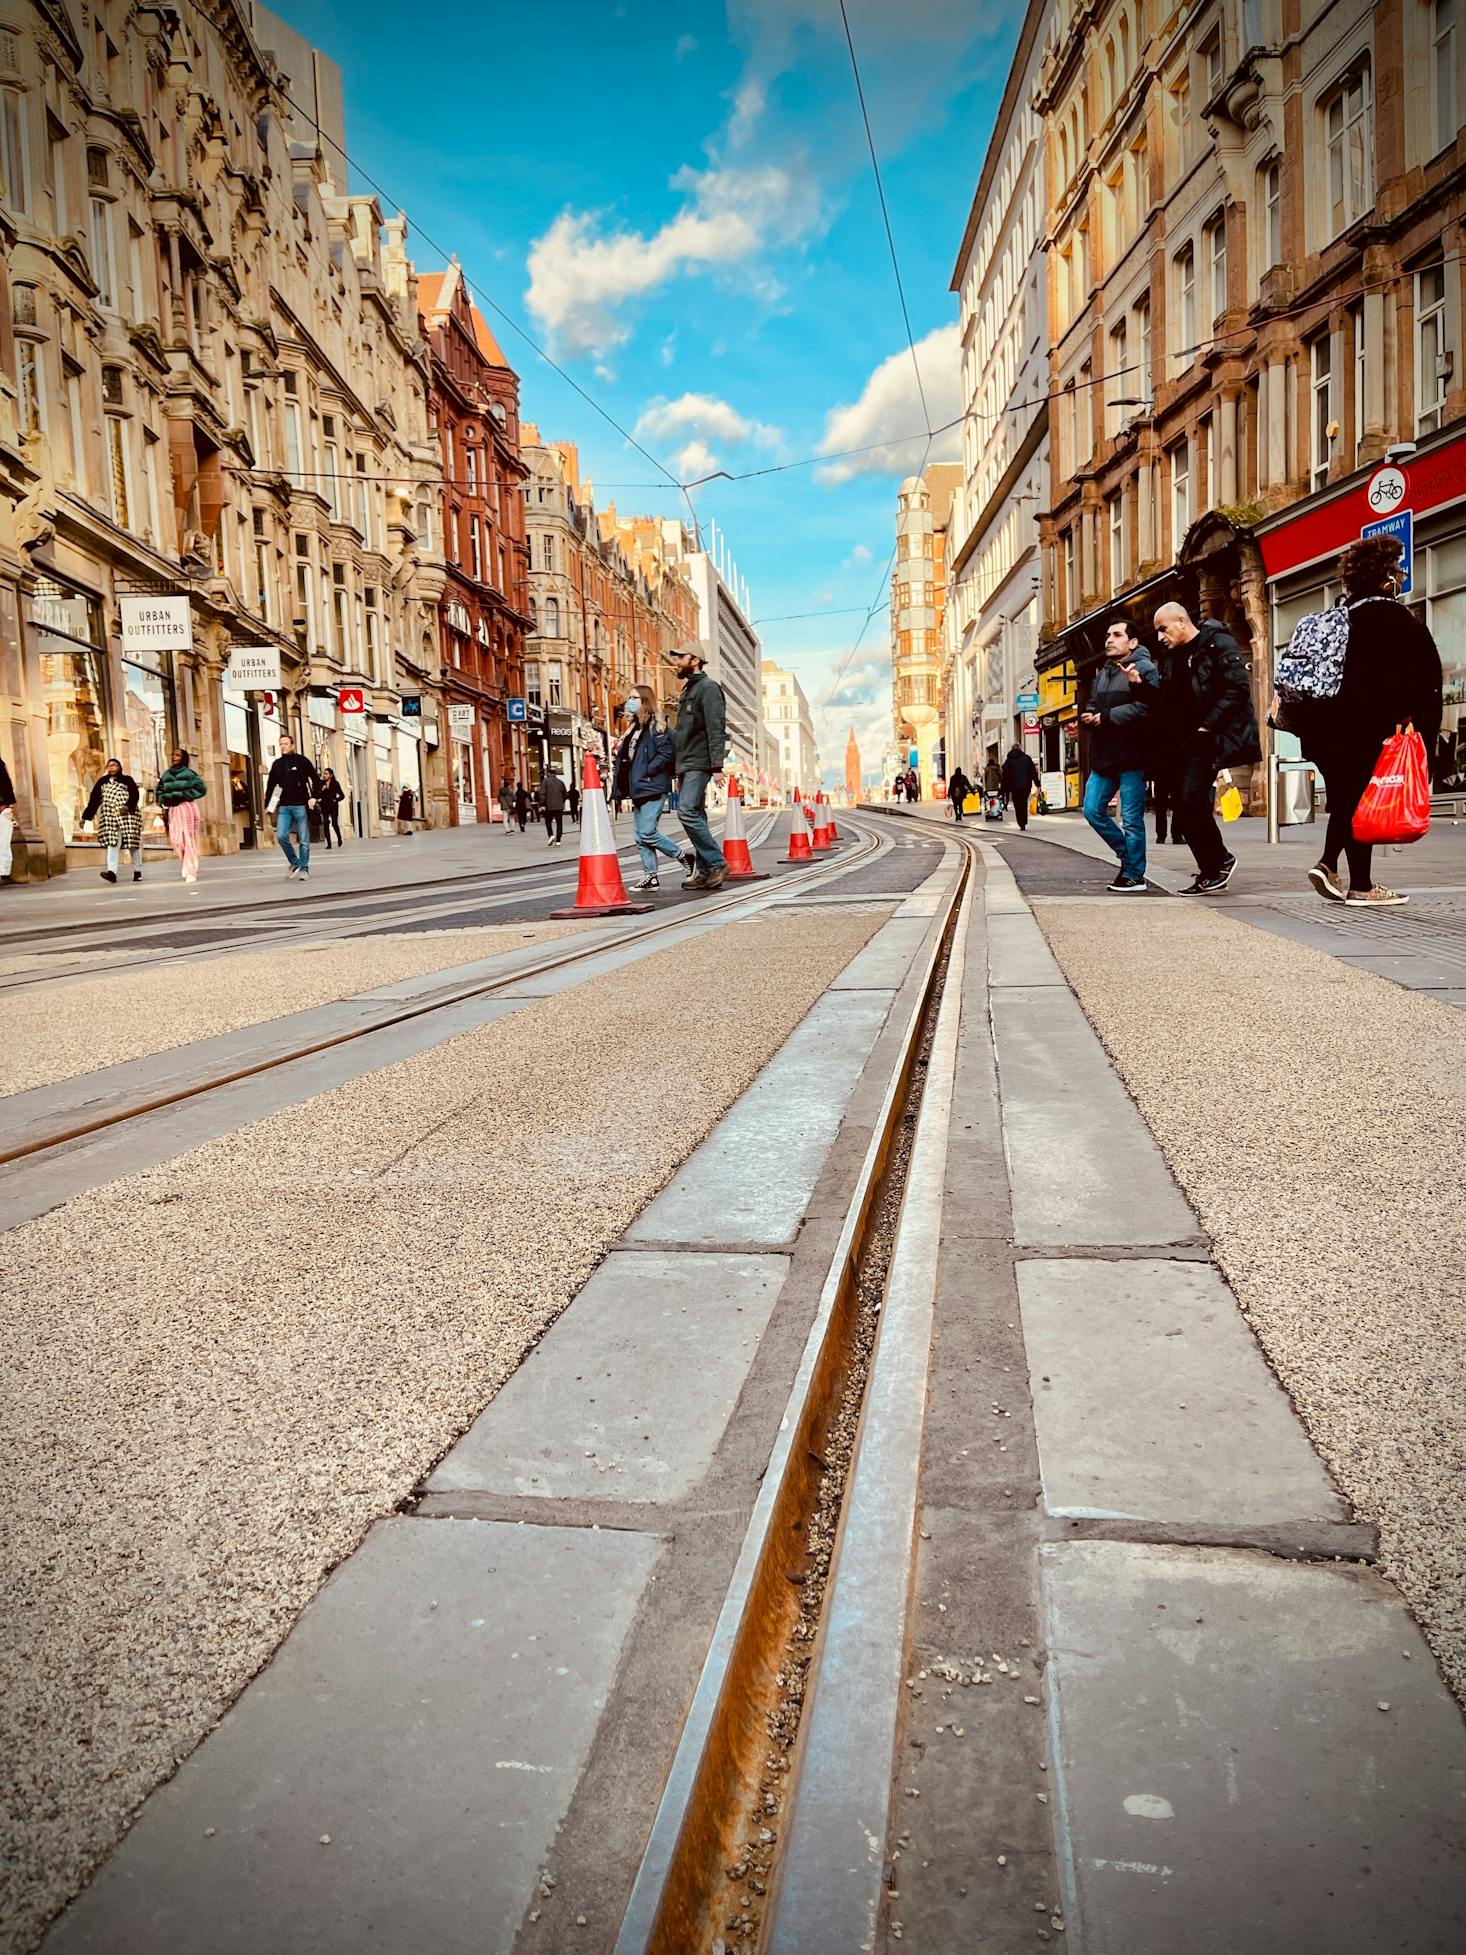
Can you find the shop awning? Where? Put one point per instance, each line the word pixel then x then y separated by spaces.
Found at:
pixel 1083 641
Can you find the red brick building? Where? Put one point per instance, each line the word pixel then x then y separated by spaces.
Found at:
pixel 483 614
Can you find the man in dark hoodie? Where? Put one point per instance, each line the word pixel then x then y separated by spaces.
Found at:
pixel 292 789
pixel 1125 689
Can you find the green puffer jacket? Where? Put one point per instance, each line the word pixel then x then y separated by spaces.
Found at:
pixel 700 735
pixel 178 784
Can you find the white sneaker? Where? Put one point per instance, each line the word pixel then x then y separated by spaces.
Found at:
pixel 291 874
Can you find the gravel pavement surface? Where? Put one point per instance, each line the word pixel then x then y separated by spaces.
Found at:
pixel 1316 1117
pixel 223 1370
pixel 61 1031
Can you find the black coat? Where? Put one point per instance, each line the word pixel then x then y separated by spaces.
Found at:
pixel 1020 776
pixel 521 804
pixel 331 795
pixel 296 778
pixel 1121 743
pixel 1221 697
pixel 94 799
pixel 553 790
pixel 7 791
pixel 959 787
pixel 1392 673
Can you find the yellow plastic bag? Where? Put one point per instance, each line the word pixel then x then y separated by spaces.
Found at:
pixel 1230 805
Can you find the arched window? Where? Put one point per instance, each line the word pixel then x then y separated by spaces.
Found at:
pixel 1124 48
pixel 1064 171
pixel 1112 90
pixel 552 616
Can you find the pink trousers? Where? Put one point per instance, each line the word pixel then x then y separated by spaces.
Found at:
pixel 183 833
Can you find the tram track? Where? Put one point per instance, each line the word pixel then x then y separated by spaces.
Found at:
pixel 84 1126
pixel 710 1876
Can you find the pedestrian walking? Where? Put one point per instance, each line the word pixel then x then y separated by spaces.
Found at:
pixel 180 793
pixel 1117 715
pixel 1020 778
pixel 554 797
pixel 7 824
pixel 1392 673
pixel 573 802
pixel 1211 679
pixel 958 789
pixel 292 789
pixel 700 739
pixel 505 798
pixel 331 796
pixel 642 775
pixel 1169 720
pixel 116 807
pixel 521 805
pixel 406 810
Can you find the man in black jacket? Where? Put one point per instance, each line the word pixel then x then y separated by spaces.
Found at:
pixel 293 788
pixel 701 740
pixel 553 790
pixel 1120 700
pixel 1222 733
pixel 1020 778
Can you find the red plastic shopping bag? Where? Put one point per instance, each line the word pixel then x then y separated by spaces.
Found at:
pixel 1395 807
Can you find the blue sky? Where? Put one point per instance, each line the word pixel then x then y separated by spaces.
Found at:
pixel 678 203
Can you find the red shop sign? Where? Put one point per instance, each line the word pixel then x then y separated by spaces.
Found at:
pixel 352 699
pixel 1432 481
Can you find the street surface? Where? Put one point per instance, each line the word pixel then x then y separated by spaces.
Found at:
pixel 912 1402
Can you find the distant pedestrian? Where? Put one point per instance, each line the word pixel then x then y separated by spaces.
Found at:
pixel 1392 673
pixel 7 823
pixel 1120 700
pixel 406 810
pixel 292 789
pixel 1212 681
pixel 1020 778
pixel 573 802
pixel 555 797
pixel 958 789
pixel 1170 719
pixel 116 807
pixel 642 775
pixel 331 797
pixel 521 805
pixel 700 739
pixel 180 793
pixel 505 799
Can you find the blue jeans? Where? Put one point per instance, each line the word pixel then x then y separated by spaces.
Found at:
pixel 650 840
pixel 294 820
pixel 692 812
pixel 1129 843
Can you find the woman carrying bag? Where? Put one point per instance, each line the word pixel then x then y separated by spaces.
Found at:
pixel 116 807
pixel 1392 674
pixel 329 801
pixel 179 794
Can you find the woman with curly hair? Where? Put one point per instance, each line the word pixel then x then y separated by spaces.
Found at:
pixel 1392 673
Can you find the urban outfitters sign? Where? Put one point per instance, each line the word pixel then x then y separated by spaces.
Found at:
pixel 253 668
pixel 155 624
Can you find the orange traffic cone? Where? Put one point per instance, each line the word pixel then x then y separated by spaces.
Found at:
pixel 828 828
pixel 819 839
pixel 601 891
pixel 799 850
pixel 735 839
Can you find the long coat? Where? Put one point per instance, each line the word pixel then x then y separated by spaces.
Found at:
pixel 115 806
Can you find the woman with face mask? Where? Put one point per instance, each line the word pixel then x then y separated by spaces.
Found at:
pixel 643 776
pixel 115 806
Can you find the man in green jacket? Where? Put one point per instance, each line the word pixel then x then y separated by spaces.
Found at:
pixel 700 738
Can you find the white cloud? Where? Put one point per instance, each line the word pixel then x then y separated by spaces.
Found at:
pixel 890 407
pixel 686 44
pixel 749 102
pixel 693 460
pixel 669 349
pixel 703 414
pixel 580 274
pixel 860 554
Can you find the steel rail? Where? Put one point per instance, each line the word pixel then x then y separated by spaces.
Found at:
pixel 675 1903
pixel 756 896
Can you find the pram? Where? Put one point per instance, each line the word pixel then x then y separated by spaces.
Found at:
pixel 992 804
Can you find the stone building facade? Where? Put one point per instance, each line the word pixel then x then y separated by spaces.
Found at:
pixel 1255 289
pixel 483 614
pixel 918 614
pixel 212 383
pixel 794 762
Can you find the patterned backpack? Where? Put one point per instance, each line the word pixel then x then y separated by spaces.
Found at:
pixel 1313 665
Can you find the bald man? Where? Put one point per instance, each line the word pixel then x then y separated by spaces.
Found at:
pixel 1212 686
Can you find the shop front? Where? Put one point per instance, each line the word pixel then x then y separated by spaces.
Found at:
pixel 358 779
pixel 252 728
pixel 409 762
pixel 467 759
pixel 1058 736
pixel 97 704
pixel 1420 498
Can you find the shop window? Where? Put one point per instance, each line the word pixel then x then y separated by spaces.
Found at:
pixel 1443 73
pixel 1433 356
pixel 1348 119
pixel 68 633
pixel 1446 618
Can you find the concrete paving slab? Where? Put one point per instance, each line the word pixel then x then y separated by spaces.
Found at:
pixel 1154 1403
pixel 883 964
pixel 1083 1166
pixel 748 1185
pixel 473 1656
pixel 630 1392
pixel 1250 1754
pixel 1017 953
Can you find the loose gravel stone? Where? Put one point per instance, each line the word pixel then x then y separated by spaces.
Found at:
pixel 1315 1115
pixel 59 1031
pixel 221 1371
